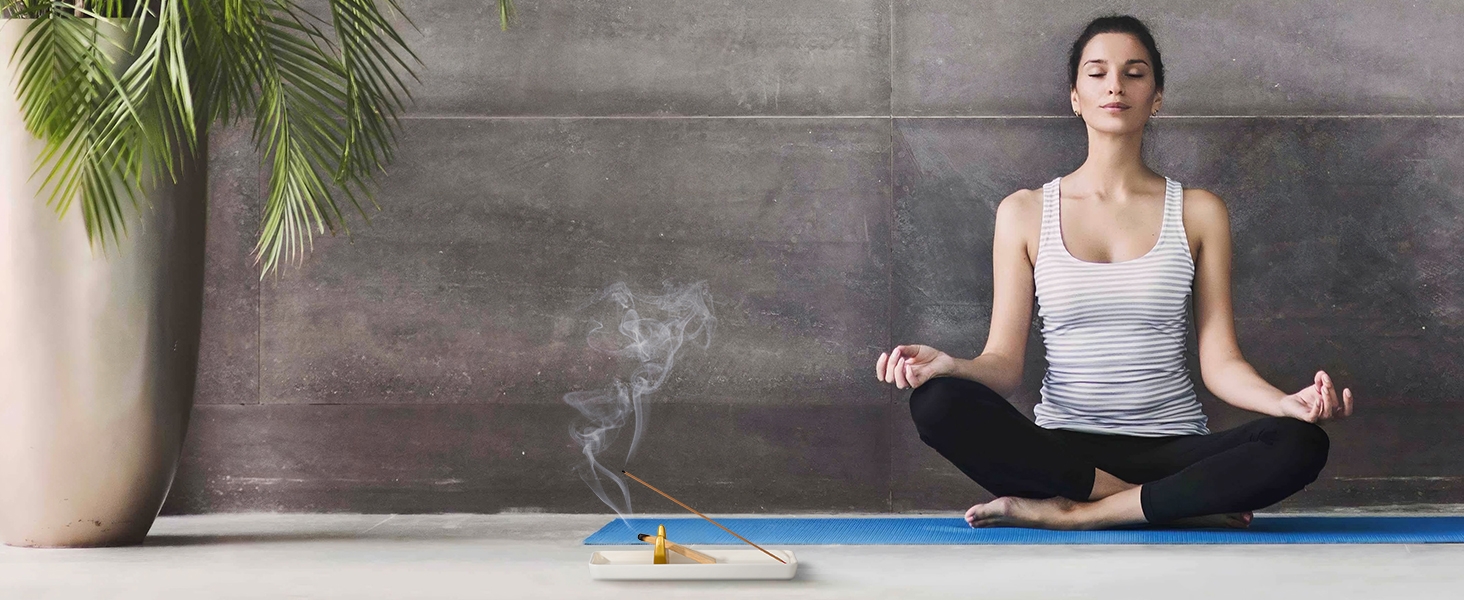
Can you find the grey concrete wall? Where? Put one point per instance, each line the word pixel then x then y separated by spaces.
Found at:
pixel 831 169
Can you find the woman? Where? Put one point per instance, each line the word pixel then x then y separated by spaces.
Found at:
pixel 1119 438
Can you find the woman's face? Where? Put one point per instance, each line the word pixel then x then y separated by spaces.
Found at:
pixel 1115 70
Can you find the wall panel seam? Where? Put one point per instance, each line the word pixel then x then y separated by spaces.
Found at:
pixel 881 116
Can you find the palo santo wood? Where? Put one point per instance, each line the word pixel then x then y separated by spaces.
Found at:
pixel 679 549
pixel 698 513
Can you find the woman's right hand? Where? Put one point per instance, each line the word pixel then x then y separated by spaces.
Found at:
pixel 912 365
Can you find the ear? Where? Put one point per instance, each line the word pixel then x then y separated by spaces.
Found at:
pixel 1073 97
pixel 1158 100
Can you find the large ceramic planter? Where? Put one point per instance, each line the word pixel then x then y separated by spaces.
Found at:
pixel 97 351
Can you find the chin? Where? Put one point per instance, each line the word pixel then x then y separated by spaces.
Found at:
pixel 1116 127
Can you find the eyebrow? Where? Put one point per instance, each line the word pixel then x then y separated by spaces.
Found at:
pixel 1130 61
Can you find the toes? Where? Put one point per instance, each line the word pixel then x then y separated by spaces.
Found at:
pixel 982 511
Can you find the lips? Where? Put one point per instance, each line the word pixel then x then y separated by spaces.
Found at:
pixel 1114 106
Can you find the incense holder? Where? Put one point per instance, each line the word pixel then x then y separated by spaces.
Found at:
pixel 731 564
pixel 658 556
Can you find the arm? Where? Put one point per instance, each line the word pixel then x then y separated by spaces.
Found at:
pixel 1222 368
pixel 1000 365
pixel 1001 362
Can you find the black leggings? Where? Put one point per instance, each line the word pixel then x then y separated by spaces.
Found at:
pixel 1242 469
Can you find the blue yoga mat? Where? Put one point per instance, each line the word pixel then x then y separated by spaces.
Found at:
pixel 954 531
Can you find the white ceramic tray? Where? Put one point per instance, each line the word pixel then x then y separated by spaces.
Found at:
pixel 731 564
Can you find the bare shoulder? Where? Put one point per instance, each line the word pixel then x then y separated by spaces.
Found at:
pixel 1203 208
pixel 1019 220
pixel 1021 205
pixel 1206 218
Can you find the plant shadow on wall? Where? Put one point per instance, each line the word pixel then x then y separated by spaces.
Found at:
pixel 107 106
pixel 118 112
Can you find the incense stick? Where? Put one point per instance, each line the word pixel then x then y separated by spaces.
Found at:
pixel 679 549
pixel 697 513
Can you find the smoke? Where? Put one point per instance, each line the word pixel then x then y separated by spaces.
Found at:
pixel 686 314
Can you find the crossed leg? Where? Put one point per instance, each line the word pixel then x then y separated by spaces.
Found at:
pixel 1054 478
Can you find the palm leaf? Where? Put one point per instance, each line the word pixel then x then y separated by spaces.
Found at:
pixel 325 106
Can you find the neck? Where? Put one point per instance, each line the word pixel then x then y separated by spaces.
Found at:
pixel 1115 166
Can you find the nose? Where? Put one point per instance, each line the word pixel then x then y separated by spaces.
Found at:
pixel 1115 85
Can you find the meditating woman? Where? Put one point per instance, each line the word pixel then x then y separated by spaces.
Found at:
pixel 1113 253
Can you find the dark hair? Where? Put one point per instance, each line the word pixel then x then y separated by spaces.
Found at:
pixel 1115 24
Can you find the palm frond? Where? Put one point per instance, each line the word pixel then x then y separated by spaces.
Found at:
pixel 117 113
pixel 505 13
pixel 73 99
pixel 300 121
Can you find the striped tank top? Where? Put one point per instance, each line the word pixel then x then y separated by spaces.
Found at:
pixel 1115 332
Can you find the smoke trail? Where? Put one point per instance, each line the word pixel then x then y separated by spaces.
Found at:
pixel 653 343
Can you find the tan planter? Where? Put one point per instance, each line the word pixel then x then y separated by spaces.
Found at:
pixel 97 352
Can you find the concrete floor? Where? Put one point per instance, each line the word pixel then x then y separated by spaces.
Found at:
pixel 540 556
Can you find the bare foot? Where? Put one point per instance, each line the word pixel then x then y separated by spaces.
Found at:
pixel 1011 511
pixel 1229 520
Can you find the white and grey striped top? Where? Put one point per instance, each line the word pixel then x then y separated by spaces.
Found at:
pixel 1115 332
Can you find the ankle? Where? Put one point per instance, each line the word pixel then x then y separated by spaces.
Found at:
pixel 1118 509
pixel 1073 514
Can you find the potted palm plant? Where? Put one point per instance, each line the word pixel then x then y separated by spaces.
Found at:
pixel 104 120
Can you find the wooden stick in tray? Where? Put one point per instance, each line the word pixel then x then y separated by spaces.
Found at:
pixel 679 549
pixel 697 513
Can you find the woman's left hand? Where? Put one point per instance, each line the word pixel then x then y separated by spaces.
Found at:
pixel 1318 402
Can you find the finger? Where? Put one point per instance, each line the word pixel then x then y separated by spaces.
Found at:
pixel 910 375
pixel 900 381
pixel 1346 402
pixel 894 360
pixel 1331 395
pixel 1316 411
pixel 879 366
pixel 1317 379
pixel 1321 392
